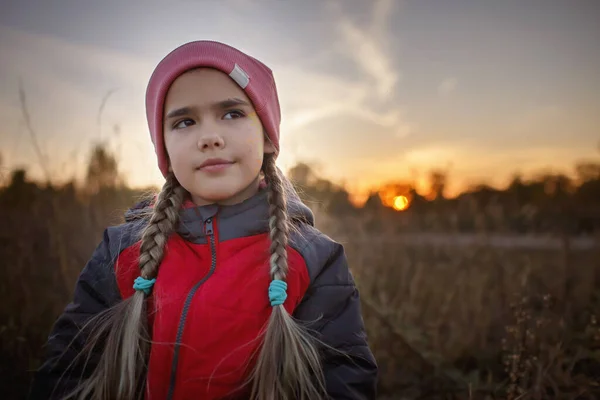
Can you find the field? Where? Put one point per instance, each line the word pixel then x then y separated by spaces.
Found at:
pixel 494 316
pixel 477 316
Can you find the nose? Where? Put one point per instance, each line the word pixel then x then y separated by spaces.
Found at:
pixel 210 141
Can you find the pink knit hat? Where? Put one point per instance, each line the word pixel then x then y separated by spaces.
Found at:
pixel 255 78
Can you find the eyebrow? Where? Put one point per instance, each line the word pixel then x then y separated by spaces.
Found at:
pixel 228 103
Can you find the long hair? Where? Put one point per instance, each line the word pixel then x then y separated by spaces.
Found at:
pixel 121 371
pixel 288 365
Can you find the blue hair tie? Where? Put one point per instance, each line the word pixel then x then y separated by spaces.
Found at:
pixel 277 292
pixel 141 283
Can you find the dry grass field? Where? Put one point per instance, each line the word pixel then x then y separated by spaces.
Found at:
pixel 452 318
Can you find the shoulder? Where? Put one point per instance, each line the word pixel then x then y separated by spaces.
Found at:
pixel 123 236
pixel 117 238
pixel 332 290
pixel 325 258
pixel 99 272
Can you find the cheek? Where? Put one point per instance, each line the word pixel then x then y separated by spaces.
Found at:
pixel 252 140
pixel 258 136
pixel 176 150
pixel 169 148
pixel 256 150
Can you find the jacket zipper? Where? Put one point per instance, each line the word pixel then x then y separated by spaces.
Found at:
pixel 209 233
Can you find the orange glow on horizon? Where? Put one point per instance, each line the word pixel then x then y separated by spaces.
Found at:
pixel 400 203
pixel 396 196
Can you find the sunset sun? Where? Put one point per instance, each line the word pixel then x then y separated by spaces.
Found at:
pixel 400 203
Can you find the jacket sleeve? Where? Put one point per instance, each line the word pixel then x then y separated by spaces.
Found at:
pixel 331 306
pixel 95 291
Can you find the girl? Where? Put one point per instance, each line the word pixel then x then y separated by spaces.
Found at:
pixel 220 287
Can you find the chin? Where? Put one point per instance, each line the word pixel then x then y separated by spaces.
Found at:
pixel 214 197
pixel 218 189
pixel 217 195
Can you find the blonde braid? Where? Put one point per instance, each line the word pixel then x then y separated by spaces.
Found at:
pixel 278 229
pixel 164 219
pixel 121 371
pixel 288 365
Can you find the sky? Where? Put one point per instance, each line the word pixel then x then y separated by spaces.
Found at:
pixel 371 91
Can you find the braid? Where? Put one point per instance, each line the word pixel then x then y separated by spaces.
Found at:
pixel 288 365
pixel 121 371
pixel 164 218
pixel 278 223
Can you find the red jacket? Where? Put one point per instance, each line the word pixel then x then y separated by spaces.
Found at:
pixel 210 302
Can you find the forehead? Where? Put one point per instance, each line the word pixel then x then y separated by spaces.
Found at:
pixel 202 85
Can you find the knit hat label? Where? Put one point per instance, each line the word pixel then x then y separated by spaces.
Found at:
pixel 240 76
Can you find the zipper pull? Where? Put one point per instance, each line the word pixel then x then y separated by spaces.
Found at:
pixel 208 227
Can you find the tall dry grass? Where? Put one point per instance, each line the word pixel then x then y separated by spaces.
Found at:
pixel 46 237
pixel 476 321
pixel 443 321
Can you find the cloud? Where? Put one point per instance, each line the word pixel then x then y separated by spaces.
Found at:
pixel 365 47
pixel 308 95
pixel 447 86
pixel 366 53
pixel 382 10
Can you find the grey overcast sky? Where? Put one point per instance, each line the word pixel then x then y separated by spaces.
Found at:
pixel 370 90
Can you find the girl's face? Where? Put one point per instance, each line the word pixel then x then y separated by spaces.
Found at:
pixel 213 137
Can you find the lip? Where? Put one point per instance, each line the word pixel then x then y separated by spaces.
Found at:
pixel 214 164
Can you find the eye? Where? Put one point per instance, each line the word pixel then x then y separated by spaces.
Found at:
pixel 184 124
pixel 234 114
